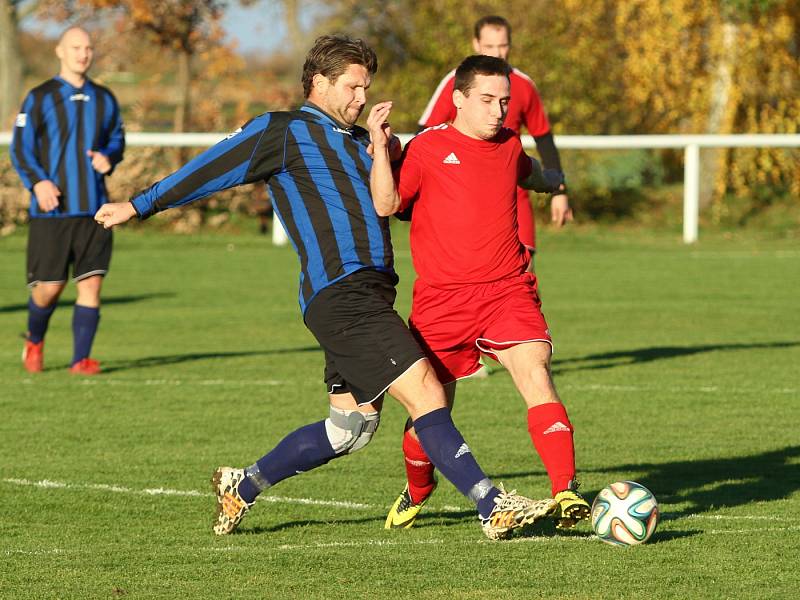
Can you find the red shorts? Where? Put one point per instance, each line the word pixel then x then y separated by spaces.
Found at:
pixel 455 326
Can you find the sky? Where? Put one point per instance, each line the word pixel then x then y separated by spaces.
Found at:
pixel 258 28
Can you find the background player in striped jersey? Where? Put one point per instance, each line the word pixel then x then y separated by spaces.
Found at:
pixel 316 163
pixel 492 37
pixel 473 293
pixel 67 138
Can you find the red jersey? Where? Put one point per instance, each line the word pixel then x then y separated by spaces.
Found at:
pixel 464 228
pixel 524 108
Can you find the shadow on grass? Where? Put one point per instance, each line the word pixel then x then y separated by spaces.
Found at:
pixel 106 301
pixel 174 359
pixel 709 484
pixel 609 360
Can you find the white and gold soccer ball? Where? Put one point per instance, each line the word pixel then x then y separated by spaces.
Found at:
pixel 625 513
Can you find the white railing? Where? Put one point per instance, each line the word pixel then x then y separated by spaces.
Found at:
pixel 691 145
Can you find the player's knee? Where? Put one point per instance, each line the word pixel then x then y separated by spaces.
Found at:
pixel 350 430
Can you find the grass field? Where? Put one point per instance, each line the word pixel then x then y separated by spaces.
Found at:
pixel 679 366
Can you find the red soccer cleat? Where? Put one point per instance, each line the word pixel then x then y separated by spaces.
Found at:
pixel 33 356
pixel 85 366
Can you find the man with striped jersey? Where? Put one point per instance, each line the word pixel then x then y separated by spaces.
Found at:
pixel 68 137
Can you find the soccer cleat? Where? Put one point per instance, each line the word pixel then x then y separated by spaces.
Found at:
pixel 572 507
pixel 512 511
pixel 404 512
pixel 85 366
pixel 33 356
pixel 231 508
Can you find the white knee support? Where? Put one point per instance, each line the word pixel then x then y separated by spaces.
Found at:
pixel 350 430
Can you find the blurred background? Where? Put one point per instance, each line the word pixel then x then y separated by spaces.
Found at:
pixel 602 67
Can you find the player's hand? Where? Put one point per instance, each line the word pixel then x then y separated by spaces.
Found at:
pixel 380 132
pixel 560 211
pixel 114 214
pixel 47 195
pixel 100 162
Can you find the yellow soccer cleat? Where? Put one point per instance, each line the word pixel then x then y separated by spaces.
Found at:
pixel 404 512
pixel 572 507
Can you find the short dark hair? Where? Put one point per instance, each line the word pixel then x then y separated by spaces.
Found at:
pixel 492 21
pixel 332 54
pixel 479 64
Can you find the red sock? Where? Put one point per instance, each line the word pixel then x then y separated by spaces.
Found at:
pixel 419 469
pixel 551 433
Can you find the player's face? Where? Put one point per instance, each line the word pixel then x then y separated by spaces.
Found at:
pixel 75 52
pixel 344 99
pixel 481 113
pixel 493 42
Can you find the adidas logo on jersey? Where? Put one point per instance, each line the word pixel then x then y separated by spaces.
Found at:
pixel 451 159
pixel 555 427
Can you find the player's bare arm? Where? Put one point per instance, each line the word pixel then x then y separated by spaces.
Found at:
pixel 114 213
pixel 47 194
pixel 542 180
pixel 560 210
pixel 384 193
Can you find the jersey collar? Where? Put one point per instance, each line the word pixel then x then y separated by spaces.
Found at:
pixel 312 108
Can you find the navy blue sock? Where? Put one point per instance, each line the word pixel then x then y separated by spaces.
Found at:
pixel 302 450
pixel 84 326
pixel 448 451
pixel 38 319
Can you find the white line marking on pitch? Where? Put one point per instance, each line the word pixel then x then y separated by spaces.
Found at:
pixel 118 489
pixel 33 552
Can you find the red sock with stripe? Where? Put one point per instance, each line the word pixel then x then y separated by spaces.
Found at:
pixel 419 469
pixel 551 433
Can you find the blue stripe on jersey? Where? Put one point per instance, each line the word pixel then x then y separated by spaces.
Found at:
pixel 376 248
pixel 70 156
pixel 328 192
pixel 315 266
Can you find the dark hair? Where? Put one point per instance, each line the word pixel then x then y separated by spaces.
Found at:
pixel 332 54
pixel 478 65
pixel 492 21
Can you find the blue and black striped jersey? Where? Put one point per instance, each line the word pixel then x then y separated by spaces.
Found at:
pixel 318 175
pixel 56 127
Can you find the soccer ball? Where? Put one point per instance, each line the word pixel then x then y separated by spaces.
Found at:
pixel 624 514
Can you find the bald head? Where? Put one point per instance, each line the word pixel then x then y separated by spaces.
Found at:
pixel 74 51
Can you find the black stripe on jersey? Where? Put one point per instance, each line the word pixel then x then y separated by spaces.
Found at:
pixel 315 206
pixel 211 170
pixel 80 154
pixel 281 199
pixel 63 135
pixel 345 187
pixel 99 118
pixel 43 133
pixel 268 156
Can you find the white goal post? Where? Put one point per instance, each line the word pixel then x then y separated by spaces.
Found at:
pixel 690 144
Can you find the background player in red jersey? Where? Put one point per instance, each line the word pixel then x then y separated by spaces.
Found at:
pixel 492 37
pixel 473 293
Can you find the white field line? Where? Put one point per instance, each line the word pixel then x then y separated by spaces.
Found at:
pixel 588 387
pixel 34 552
pixel 118 489
pixel 167 382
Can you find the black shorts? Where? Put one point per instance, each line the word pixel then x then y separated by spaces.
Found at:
pixel 367 344
pixel 56 243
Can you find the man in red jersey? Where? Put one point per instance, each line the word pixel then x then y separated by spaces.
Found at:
pixel 473 293
pixel 492 37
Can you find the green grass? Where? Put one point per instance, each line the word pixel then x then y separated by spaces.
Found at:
pixel 679 366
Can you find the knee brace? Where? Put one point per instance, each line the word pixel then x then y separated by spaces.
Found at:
pixel 350 430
